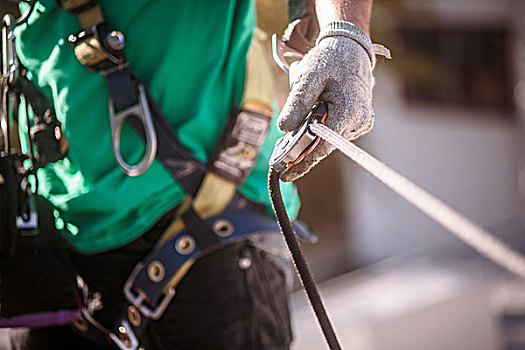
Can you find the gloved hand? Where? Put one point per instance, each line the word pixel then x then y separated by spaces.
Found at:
pixel 338 70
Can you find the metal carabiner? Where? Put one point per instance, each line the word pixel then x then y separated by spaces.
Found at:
pixel 142 112
pixel 9 71
pixel 10 64
pixel 281 51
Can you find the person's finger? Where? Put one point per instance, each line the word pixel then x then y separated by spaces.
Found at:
pixel 304 94
pixel 322 150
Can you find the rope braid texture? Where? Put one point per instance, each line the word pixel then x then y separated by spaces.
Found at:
pixel 486 243
pixel 299 260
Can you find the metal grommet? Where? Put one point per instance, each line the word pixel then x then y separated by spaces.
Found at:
pixel 223 228
pixel 123 336
pixel 185 245
pixel 58 133
pixel 134 316
pixel 245 263
pixel 156 271
pixel 80 324
pixel 116 40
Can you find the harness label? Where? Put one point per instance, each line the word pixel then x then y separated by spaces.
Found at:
pixel 240 146
pixel 250 128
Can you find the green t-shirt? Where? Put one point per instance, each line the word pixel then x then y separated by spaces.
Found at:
pixel 191 55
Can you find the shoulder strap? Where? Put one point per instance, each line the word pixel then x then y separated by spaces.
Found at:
pixel 236 153
pixel 99 47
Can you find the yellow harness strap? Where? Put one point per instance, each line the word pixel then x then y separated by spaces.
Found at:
pixel 90 17
pixel 259 92
pixel 88 12
pixel 259 88
pixel 214 195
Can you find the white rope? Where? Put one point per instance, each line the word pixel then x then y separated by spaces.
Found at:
pixel 466 230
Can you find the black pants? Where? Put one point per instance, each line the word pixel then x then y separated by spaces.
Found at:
pixel 218 304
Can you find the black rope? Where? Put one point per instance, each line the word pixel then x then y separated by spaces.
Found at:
pixel 299 260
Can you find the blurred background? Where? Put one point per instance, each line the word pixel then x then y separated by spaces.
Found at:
pixel 449 113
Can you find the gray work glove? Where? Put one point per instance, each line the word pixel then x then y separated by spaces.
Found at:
pixel 338 70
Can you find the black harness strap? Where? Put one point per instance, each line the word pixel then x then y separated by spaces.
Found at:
pixel 201 231
pixel 187 170
pixel 46 134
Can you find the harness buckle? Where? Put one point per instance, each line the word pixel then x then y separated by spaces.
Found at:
pixel 138 300
pixel 125 338
pixel 142 112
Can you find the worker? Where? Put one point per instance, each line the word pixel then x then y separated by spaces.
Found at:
pixel 190 56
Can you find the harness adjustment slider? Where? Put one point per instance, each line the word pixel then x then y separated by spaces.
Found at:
pixel 139 300
pixel 99 47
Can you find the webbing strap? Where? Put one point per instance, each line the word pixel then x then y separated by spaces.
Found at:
pixel 88 11
pixel 239 148
pixel 152 283
pixel 214 195
pixel 122 88
pixel 90 17
pixel 259 89
pixel 187 170
pixel 46 134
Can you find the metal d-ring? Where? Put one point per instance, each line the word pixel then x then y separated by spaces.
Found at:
pixel 142 112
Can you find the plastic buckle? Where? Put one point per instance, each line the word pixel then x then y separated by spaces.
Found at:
pixel 294 146
pixel 138 299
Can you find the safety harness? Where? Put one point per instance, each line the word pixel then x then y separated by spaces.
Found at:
pixel 213 212
pixel 28 255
